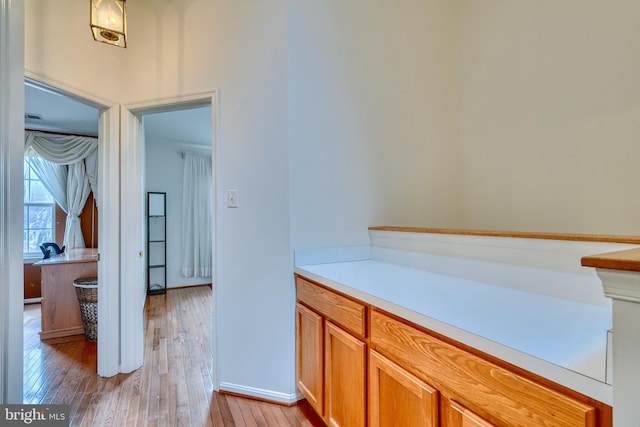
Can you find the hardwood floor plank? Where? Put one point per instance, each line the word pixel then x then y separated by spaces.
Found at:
pixel 235 411
pixel 257 414
pixel 247 415
pixel 225 411
pixel 173 388
pixel 267 413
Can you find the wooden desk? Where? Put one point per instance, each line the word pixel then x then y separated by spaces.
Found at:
pixel 60 309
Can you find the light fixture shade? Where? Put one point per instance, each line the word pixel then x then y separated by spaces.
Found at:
pixel 109 22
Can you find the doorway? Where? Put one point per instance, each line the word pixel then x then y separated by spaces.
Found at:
pixel 70 110
pixel 172 140
pixel 148 123
pixel 55 108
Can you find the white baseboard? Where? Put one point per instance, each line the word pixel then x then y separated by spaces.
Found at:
pixel 270 395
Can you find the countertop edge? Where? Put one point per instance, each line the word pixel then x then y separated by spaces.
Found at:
pixel 626 260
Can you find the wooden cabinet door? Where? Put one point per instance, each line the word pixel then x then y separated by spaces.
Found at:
pixel 459 416
pixel 309 356
pixel 398 398
pixel 345 377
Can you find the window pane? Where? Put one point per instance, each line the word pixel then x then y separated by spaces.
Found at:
pixel 26 191
pixel 38 212
pixel 36 237
pixel 39 193
pixel 40 217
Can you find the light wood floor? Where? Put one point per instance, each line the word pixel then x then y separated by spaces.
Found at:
pixel 173 388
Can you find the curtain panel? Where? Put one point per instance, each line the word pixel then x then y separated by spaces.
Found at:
pixel 196 215
pixel 67 165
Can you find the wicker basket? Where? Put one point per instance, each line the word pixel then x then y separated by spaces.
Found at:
pixel 87 293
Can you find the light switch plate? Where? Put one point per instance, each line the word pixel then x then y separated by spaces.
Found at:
pixel 232 198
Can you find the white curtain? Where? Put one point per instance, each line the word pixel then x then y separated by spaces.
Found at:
pixel 68 166
pixel 78 190
pixel 196 215
pixel 52 175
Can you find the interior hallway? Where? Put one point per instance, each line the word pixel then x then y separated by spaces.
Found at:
pixel 173 388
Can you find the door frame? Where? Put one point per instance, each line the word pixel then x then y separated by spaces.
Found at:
pixel 132 161
pixel 109 199
pixel 11 198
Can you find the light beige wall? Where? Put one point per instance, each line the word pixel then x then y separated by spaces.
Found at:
pixel 372 117
pixel 550 115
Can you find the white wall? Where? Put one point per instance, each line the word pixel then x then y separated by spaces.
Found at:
pixel 193 46
pixel 372 117
pixel 164 173
pixel 550 115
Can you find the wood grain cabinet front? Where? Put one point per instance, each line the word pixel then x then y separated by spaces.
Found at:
pixel 331 354
pixel 459 416
pixel 491 391
pixel 345 377
pixel 398 398
pixel 309 356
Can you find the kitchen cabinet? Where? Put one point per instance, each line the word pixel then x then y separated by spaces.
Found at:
pixel 492 391
pixel 398 398
pixel 382 370
pixel 331 354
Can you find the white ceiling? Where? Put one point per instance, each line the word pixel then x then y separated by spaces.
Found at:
pixel 60 113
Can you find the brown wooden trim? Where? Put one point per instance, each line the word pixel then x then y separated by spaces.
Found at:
pixel 628 260
pixel 604 238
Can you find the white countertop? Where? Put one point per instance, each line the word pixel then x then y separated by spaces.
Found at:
pixel 559 339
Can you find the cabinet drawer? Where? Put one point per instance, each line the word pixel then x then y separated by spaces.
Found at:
pixel 491 391
pixel 340 310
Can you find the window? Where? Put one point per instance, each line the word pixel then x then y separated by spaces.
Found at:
pixel 39 209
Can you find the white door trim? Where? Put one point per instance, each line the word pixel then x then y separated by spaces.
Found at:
pixel 132 283
pixel 11 204
pixel 109 341
pixel 134 143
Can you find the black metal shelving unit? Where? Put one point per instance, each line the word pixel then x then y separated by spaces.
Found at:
pixel 156 243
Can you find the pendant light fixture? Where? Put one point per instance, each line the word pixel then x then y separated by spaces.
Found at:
pixel 109 22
